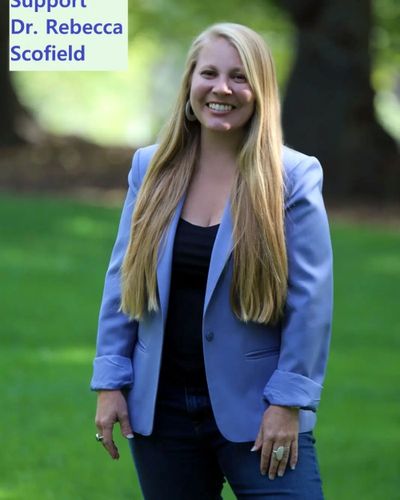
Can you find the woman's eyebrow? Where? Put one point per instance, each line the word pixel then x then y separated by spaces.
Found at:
pixel 211 66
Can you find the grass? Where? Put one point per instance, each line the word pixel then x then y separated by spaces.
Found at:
pixel 53 254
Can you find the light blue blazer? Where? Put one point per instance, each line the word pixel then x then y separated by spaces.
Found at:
pixel 248 365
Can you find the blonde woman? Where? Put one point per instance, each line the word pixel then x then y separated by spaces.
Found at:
pixel 215 322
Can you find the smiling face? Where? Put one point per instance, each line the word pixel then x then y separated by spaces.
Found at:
pixel 220 94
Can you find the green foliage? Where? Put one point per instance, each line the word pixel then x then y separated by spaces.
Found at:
pixel 182 21
pixel 386 35
pixel 53 255
pixel 130 107
pixel 385 51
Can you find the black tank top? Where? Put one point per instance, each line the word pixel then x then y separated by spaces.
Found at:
pixel 182 361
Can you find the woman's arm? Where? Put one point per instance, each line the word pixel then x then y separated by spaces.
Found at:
pixel 116 335
pixel 306 326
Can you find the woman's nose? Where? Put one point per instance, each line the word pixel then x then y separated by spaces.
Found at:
pixel 222 87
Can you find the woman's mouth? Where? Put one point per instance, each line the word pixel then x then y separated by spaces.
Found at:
pixel 221 108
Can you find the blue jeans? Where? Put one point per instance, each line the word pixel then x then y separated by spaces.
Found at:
pixel 187 458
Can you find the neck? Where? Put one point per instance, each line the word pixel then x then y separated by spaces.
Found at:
pixel 218 150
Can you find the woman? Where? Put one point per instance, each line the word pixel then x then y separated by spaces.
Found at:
pixel 215 321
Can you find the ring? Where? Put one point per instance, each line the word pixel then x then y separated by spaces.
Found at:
pixel 278 453
pixel 99 437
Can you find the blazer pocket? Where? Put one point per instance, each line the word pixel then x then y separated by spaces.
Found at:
pixel 262 353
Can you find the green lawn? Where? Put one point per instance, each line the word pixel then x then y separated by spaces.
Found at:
pixel 53 258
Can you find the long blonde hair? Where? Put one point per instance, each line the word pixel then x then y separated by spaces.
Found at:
pixel 259 283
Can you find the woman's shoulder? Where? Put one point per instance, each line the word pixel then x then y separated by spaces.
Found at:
pixel 146 152
pixel 302 173
pixel 297 166
pixel 293 160
pixel 141 160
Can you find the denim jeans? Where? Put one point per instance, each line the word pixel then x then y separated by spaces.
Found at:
pixel 187 458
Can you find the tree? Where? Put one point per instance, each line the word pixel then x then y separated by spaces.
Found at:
pixel 17 123
pixel 328 108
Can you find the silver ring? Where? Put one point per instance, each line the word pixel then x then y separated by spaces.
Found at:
pixel 278 453
pixel 99 437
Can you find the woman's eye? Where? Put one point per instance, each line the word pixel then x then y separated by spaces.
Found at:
pixel 241 78
pixel 207 72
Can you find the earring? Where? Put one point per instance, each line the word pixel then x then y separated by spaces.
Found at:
pixel 189 112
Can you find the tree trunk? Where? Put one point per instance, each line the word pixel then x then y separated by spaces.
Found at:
pixel 328 108
pixel 17 125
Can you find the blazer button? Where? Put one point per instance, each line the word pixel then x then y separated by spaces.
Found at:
pixel 209 336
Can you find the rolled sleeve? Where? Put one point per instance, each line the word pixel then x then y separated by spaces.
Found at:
pixel 292 389
pixel 112 372
pixel 306 325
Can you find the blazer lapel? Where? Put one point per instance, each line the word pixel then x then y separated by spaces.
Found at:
pixel 222 248
pixel 164 262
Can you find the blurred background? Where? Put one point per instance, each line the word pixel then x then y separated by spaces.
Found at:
pixel 66 143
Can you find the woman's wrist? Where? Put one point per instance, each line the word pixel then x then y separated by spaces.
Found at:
pixel 288 407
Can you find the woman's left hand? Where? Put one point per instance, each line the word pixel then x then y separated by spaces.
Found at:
pixel 279 427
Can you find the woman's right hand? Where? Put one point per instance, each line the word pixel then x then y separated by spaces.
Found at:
pixel 112 408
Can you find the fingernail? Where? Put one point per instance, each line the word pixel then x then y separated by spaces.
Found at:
pixel 263 472
pixel 271 477
pixel 280 473
pixel 292 467
pixel 254 448
pixel 129 436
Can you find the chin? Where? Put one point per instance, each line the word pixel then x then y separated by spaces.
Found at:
pixel 220 127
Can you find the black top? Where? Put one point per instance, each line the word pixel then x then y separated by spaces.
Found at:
pixel 182 362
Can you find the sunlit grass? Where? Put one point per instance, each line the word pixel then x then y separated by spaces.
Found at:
pixel 53 254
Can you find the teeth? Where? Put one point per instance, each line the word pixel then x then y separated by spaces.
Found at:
pixel 220 107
